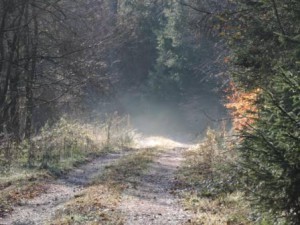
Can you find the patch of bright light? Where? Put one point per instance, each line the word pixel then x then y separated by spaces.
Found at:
pixel 159 141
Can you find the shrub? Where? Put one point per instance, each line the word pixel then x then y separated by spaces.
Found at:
pixel 211 165
pixel 68 142
pixel 269 151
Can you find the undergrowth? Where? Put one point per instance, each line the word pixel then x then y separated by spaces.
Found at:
pixel 66 143
pixel 209 182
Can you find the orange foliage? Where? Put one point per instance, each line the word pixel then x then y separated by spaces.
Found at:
pixel 242 106
pixel 227 59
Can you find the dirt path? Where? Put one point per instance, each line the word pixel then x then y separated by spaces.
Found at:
pixel 148 201
pixel 151 201
pixel 40 210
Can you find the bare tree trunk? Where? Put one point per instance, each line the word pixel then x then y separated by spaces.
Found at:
pixel 10 95
pixel 2 50
pixel 30 79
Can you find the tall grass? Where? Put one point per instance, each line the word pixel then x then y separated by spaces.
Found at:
pixel 209 180
pixel 66 143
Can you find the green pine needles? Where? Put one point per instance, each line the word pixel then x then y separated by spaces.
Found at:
pixel 270 150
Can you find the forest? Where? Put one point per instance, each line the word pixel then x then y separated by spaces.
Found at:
pixel 150 112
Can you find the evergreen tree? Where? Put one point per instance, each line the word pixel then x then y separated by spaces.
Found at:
pixel 179 54
pixel 165 79
pixel 270 150
pixel 264 37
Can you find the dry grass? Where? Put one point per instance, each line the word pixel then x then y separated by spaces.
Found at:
pixel 208 182
pixel 96 205
pixel 99 203
pixel 126 169
pixel 67 143
pixel 230 209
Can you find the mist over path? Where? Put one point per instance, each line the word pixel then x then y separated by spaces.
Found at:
pixel 185 121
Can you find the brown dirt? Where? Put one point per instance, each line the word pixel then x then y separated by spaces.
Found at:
pixel 151 201
pixel 40 210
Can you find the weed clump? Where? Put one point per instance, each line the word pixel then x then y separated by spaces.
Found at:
pixel 209 181
pixel 68 142
pixel 211 165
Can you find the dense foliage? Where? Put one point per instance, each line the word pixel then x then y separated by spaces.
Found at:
pixel 263 36
pixel 262 39
pixel 270 150
pixel 50 60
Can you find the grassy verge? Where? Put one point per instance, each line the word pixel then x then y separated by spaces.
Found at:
pixel 208 183
pixel 24 168
pixel 127 169
pixel 65 144
pixel 98 204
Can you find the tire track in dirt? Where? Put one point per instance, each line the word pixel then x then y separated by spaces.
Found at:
pixel 41 209
pixel 151 201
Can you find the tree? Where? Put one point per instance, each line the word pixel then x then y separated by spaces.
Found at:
pixel 49 53
pixel 52 59
pixel 263 36
pixel 270 150
pixel 182 56
pixel 165 80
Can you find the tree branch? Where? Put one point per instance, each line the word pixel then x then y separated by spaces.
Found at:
pixel 195 8
pixel 277 17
